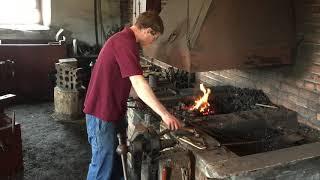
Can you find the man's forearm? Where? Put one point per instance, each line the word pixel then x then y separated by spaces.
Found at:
pixel 146 94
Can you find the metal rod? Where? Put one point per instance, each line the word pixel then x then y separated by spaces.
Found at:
pixel 134 9
pixel 124 167
pixel 267 106
pixel 189 80
pixel 188 24
pixel 139 3
pixel 123 160
pixel 166 131
pixel 190 142
pixel 239 143
pixel 13 122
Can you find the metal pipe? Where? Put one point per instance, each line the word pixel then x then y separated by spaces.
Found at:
pixel 240 143
pixel 123 159
pixel 267 106
pixel 13 122
pixel 96 25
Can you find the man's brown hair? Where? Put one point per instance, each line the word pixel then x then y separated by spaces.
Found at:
pixel 150 19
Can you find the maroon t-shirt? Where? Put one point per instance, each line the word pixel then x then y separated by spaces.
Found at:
pixel 110 85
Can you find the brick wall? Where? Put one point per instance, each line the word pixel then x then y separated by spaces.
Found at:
pixel 297 86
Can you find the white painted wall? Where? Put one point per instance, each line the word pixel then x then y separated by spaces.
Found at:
pixel 75 16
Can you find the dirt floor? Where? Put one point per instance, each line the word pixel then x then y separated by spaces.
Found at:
pixel 51 149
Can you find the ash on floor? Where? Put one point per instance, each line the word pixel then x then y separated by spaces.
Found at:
pixel 51 149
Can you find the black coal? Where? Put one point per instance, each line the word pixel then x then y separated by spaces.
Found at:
pixel 228 99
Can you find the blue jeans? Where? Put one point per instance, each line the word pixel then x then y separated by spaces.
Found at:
pixel 105 162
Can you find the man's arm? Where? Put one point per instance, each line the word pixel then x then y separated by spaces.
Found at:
pixel 146 94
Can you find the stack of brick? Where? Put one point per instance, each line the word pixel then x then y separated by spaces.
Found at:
pixel 68 93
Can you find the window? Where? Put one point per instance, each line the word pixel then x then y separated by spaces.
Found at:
pixel 23 13
pixel 19 12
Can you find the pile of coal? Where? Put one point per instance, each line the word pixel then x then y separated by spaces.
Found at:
pixel 229 99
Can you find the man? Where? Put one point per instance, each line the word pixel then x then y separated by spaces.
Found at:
pixel 116 70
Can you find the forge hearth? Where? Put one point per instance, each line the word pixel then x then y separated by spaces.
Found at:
pixel 223 100
pixel 246 137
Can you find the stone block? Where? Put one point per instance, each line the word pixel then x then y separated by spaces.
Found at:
pixel 70 61
pixel 290 89
pixel 68 103
pixel 308 95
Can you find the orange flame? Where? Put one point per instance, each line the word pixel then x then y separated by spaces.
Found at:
pixel 202 103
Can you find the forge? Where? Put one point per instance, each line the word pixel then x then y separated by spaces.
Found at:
pixel 244 136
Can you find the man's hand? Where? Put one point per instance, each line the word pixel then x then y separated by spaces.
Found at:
pixel 172 122
pixel 145 93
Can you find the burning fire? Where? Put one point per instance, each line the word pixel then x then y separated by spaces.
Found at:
pixel 202 103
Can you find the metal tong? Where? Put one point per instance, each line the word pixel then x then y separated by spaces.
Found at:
pixel 194 140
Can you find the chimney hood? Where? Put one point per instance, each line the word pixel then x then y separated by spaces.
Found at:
pixel 204 35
